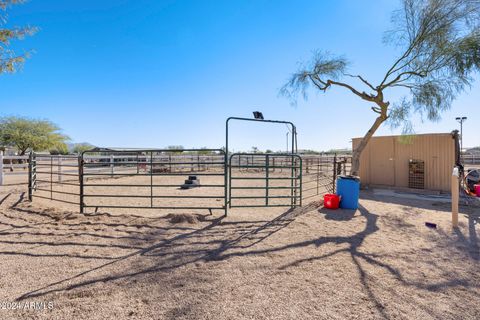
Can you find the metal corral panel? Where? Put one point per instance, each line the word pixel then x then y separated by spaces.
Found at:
pixel 385 159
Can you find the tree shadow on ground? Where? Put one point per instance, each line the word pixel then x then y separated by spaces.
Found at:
pixel 427 202
pixel 218 239
pixel 338 215
pixel 470 242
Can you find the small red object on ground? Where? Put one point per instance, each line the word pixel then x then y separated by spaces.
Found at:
pixel 331 201
pixel 477 190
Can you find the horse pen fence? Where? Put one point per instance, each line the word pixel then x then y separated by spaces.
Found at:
pixel 152 179
pixel 274 180
pixel 126 180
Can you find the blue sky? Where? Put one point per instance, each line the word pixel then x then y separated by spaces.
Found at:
pixel 158 73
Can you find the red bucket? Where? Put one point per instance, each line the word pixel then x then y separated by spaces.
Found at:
pixel 331 201
pixel 477 190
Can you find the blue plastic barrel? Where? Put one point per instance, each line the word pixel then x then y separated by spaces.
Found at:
pixel 348 187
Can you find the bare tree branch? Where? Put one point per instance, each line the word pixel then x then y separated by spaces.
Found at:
pixel 363 80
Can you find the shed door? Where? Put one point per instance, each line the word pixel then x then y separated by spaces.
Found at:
pixel 382 162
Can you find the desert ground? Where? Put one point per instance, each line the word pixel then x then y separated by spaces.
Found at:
pixel 378 262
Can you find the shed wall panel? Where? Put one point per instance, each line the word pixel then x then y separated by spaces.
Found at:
pixel 389 156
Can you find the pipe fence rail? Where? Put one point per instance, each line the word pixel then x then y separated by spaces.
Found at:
pixel 265 180
pixel 320 173
pixel 54 177
pixel 153 179
pixel 159 178
pixel 470 159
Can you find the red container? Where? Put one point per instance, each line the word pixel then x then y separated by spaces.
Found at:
pixel 477 190
pixel 331 201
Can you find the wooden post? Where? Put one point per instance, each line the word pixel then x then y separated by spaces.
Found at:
pixel 1 168
pixel 455 196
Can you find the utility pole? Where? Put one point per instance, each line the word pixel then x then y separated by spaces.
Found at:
pixel 461 120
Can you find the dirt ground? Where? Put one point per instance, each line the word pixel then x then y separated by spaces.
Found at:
pixel 379 262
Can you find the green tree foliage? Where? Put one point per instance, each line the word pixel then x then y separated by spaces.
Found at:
pixel 25 134
pixel 59 148
pixel 9 59
pixel 439 50
pixel 78 148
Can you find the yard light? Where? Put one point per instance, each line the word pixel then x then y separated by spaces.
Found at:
pixel 258 115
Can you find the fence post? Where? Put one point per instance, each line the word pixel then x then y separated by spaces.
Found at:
pixel 59 169
pixel 455 195
pixel 30 176
pixel 226 177
pixel 111 164
pixel 334 172
pixel 151 179
pixel 266 178
pixel 301 181
pixel 1 168
pixel 80 178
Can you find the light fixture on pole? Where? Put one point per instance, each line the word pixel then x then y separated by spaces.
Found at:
pixel 461 120
pixel 258 115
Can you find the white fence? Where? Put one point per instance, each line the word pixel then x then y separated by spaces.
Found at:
pixel 13 164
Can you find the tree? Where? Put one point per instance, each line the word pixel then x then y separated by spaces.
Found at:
pixel 439 41
pixel 78 148
pixel 59 148
pixel 9 60
pixel 25 133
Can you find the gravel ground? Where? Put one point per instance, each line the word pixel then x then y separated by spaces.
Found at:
pixel 379 262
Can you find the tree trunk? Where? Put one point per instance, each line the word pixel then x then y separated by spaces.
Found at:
pixel 358 151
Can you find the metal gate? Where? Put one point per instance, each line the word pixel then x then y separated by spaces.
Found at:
pixel 138 179
pixel 265 180
pixel 54 177
pixel 153 179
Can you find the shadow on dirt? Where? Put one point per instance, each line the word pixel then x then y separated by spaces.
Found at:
pixel 217 239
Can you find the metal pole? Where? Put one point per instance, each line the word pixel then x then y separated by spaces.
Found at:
pixel 80 180
pixel 334 171
pixel 60 169
pixel 294 133
pixel 455 196
pixel 266 180
pixel 461 136
pixel 225 182
pixel 1 168
pixel 51 177
pixel 30 175
pixel 301 180
pixel 151 179
pixel 230 179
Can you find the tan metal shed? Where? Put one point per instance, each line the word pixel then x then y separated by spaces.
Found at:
pixel 385 160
